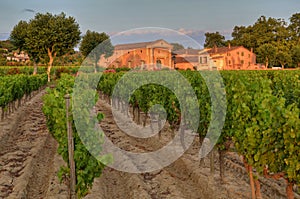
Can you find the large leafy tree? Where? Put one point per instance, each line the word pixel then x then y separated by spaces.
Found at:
pixel 263 31
pixel 296 55
pixel 214 39
pixel 294 27
pixel 7 45
pixel 52 36
pixel 283 58
pixel 18 37
pixel 266 54
pixel 94 45
pixel 241 36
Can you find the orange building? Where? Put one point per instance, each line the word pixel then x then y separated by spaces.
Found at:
pixel 228 58
pixel 145 55
pixel 158 54
pixel 186 59
pixel 217 58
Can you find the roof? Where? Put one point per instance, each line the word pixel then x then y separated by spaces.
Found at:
pixel 191 59
pixel 187 51
pixel 221 50
pixel 137 45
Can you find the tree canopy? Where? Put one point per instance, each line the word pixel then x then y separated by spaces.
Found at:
pixel 271 39
pixel 47 36
pixel 90 46
pixel 18 35
pixel 214 39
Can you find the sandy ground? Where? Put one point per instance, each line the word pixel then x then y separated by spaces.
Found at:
pixel 26 152
pixel 184 178
pixel 29 165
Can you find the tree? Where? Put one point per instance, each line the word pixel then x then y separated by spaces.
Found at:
pixel 266 53
pixel 214 39
pixel 177 46
pixel 263 31
pixel 296 55
pixel 90 47
pixel 283 58
pixel 7 45
pixel 294 27
pixel 18 37
pixel 51 36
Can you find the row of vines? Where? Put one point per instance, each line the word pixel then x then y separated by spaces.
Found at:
pixel 262 116
pixel 15 88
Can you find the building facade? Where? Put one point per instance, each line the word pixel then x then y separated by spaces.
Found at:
pixel 228 58
pixel 158 54
pixel 21 57
pixel 145 55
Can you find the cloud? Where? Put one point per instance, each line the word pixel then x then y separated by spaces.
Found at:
pixel 28 10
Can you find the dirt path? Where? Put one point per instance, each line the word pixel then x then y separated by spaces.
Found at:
pixel 26 152
pixel 184 178
pixel 29 165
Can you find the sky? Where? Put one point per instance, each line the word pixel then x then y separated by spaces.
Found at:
pixel 192 17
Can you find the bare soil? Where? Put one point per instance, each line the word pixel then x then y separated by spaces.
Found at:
pixel 26 152
pixel 29 164
pixel 185 178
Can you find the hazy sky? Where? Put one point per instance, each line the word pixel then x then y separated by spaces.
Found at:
pixel 120 15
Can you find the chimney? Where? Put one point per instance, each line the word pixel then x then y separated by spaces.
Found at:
pixel 229 45
pixel 251 50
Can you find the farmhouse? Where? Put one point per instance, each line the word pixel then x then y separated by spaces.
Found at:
pixel 145 55
pixel 229 58
pixel 158 54
pixel 22 57
pixel 186 59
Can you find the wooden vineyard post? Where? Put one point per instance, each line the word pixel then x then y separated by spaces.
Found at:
pixel 71 151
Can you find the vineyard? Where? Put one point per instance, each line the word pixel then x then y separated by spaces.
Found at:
pixel 15 88
pixel 260 135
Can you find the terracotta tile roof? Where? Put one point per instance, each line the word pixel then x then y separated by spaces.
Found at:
pixel 191 59
pixel 135 45
pixel 221 50
pixel 187 51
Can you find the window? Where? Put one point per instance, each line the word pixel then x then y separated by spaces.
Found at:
pixel 203 60
pixel 248 63
pixel 229 62
pixel 248 55
pixel 242 62
pixel 242 53
pixel 228 54
pixel 237 52
pixel 129 64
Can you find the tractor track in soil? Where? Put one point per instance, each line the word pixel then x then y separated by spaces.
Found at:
pixel 26 152
pixel 29 165
pixel 184 178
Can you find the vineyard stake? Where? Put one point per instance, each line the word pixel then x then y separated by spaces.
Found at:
pixel 70 150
